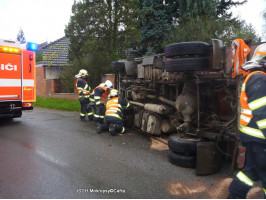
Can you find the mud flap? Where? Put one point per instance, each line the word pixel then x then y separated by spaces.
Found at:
pixel 209 159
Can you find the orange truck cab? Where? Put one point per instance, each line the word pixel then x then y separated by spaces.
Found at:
pixel 17 78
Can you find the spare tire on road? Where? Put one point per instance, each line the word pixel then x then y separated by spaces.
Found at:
pixel 185 145
pixel 182 160
pixel 187 49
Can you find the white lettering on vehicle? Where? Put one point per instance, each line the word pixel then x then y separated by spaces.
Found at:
pixel 9 67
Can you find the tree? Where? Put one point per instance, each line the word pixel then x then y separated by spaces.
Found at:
pixel 202 20
pixel 182 20
pixel 205 28
pixel 156 23
pixel 100 31
pixel 194 8
pixel 21 37
pixel 106 26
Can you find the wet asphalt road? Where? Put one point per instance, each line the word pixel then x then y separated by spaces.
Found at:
pixel 51 154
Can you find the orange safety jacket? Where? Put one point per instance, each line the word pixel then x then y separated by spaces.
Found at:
pixel 240 51
pixel 83 88
pixel 246 112
pixel 113 108
pixel 248 127
pixel 100 99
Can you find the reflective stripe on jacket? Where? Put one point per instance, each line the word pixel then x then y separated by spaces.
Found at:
pixel 113 108
pixel 240 51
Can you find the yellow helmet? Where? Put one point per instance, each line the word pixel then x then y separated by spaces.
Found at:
pixel 83 72
pixel 113 93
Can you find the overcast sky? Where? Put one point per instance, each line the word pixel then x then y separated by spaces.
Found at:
pixel 45 20
pixel 41 20
pixel 251 12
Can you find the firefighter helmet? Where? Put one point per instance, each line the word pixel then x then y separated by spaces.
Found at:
pixel 102 85
pixel 258 59
pixel 113 93
pixel 83 72
pixel 108 84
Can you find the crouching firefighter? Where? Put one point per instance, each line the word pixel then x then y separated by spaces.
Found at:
pixel 113 115
pixel 100 93
pixel 252 128
pixel 83 95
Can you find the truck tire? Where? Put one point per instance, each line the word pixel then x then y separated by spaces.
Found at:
pixel 187 49
pixel 186 145
pixel 118 65
pixel 187 64
pixel 181 160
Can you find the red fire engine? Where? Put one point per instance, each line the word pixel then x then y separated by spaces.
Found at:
pixel 17 78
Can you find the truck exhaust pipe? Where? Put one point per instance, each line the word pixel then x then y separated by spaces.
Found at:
pixel 159 109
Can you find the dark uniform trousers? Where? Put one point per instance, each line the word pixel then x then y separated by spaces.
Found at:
pixel 99 111
pixel 119 124
pixel 254 170
pixel 85 108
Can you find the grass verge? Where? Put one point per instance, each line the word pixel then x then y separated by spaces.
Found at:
pixel 57 104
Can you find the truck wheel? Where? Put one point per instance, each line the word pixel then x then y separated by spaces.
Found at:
pixel 187 64
pixel 186 145
pixel 118 65
pixel 187 48
pixel 182 160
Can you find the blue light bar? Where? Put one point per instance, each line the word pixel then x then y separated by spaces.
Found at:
pixel 31 46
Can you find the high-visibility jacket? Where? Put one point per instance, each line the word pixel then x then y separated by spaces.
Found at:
pixel 114 107
pixel 83 88
pixel 99 95
pixel 240 51
pixel 253 108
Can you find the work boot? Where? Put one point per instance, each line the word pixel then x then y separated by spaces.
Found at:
pixel 90 119
pixel 112 129
pixel 98 129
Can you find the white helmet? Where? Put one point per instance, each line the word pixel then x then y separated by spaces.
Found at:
pixel 83 72
pixel 258 59
pixel 108 84
pixel 102 85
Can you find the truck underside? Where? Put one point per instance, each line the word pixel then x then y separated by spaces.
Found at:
pixel 186 94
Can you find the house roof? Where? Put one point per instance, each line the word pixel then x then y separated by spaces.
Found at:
pixel 55 54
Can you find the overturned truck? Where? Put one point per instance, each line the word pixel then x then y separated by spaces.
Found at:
pixel 187 93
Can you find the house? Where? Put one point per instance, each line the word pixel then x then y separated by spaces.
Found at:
pixel 55 58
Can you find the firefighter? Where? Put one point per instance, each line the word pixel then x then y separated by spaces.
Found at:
pixel 83 95
pixel 252 128
pixel 92 98
pixel 100 94
pixel 113 115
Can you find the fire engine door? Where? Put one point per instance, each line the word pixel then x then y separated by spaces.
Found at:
pixel 10 76
pixel 28 82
